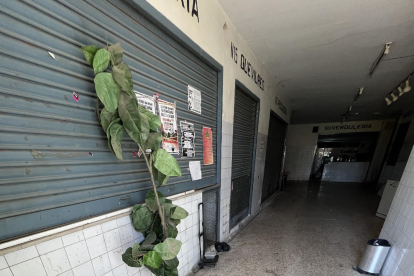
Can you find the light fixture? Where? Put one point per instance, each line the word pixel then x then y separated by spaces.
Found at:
pixel 360 90
pixel 387 48
pixel 394 96
pixel 350 108
pixel 388 99
pixel 400 90
pixel 407 87
pixel 384 52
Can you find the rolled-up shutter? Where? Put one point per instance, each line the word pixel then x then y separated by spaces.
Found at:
pixel 55 165
pixel 244 133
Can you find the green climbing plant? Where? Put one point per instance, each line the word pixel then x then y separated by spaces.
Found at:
pixel 158 219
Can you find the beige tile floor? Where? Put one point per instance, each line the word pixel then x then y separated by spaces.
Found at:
pixel 310 229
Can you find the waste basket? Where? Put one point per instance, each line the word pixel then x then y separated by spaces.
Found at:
pixel 374 257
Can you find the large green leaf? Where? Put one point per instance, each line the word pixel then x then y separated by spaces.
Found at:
pixel 166 163
pixel 89 52
pixel 153 141
pixel 150 238
pixel 172 264
pixel 142 219
pixel 108 91
pixel 122 75
pixel 135 124
pixel 168 249
pixel 151 201
pixel 152 259
pixel 128 258
pixel 136 207
pixel 117 132
pixel 174 211
pixel 108 134
pixel 108 117
pixel 172 231
pixel 173 272
pixel 101 61
pixel 159 176
pixel 117 53
pixel 158 227
pixel 153 120
pixel 157 271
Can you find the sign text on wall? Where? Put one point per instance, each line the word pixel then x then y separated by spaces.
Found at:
pixel 349 127
pixel 247 67
pixel 194 10
pixel 281 106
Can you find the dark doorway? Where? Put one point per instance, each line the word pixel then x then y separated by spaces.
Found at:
pixel 274 156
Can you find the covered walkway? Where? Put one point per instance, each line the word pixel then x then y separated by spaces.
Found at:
pixel 310 229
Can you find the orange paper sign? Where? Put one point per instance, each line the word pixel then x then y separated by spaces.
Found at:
pixel 207 146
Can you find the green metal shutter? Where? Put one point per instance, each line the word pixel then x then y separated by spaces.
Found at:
pixel 47 177
pixel 274 156
pixel 244 133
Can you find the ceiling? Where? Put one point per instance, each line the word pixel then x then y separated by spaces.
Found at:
pixel 320 53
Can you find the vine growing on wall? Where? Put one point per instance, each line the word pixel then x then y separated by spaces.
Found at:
pixel 158 219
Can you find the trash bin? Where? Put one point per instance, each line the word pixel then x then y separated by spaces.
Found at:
pixel 374 257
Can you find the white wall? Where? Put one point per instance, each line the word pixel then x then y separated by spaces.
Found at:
pixel 399 227
pixel 301 145
pixel 96 249
pixel 214 34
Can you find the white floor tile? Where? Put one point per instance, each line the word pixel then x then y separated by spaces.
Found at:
pixel 77 253
pixel 3 263
pixel 96 246
pixel 30 267
pixel 112 240
pixel 49 246
pixel 6 272
pixel 109 225
pixel 92 231
pixel 21 255
pixel 101 265
pixel 84 270
pixel 126 234
pixel 67 273
pixel 115 257
pixel 120 271
pixel 73 238
pixel 55 262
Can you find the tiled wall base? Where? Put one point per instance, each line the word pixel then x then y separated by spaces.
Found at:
pixel 97 250
pixel 399 227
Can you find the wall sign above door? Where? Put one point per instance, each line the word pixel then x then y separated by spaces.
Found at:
pixel 247 67
pixel 281 106
pixel 194 10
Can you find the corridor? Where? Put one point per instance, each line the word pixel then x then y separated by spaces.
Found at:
pixel 310 229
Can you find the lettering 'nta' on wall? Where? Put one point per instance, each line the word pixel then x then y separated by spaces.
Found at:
pixel 191 6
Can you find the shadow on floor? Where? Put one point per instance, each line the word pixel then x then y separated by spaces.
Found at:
pixel 310 229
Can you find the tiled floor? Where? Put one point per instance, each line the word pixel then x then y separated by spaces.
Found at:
pixel 310 229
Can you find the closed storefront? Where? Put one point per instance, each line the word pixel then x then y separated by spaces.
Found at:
pixel 274 156
pixel 55 164
pixel 244 140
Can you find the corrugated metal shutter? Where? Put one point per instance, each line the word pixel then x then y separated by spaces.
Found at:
pixel 274 156
pixel 244 131
pixel 47 177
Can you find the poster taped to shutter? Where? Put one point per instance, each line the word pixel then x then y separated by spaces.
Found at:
pixel 187 139
pixel 146 102
pixel 208 146
pixel 168 117
pixel 194 99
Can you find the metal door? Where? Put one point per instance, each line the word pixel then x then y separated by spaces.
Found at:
pixel 244 137
pixel 274 156
pixel 55 165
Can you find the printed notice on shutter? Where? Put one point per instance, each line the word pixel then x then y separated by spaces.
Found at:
pixel 194 100
pixel 146 101
pixel 195 170
pixel 207 146
pixel 187 139
pixel 168 117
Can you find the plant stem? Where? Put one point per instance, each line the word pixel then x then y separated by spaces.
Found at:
pixel 160 208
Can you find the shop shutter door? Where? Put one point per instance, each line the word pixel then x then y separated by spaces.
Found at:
pixel 274 156
pixel 244 131
pixel 47 177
